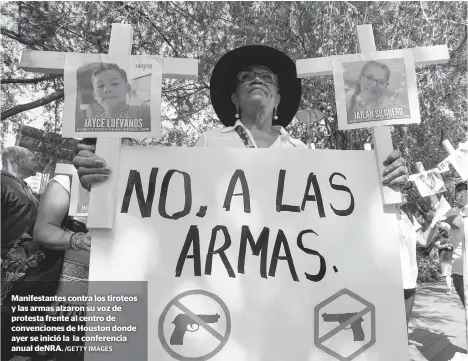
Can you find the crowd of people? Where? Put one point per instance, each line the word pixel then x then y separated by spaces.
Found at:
pixel 256 94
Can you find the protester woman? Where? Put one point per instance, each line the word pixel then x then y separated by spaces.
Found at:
pixel 445 248
pixel 255 92
pixel 410 234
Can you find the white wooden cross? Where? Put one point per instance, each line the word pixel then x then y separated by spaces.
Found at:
pixel 102 198
pixel 433 198
pixel 382 139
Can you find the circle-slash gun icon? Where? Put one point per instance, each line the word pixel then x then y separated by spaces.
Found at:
pixel 184 323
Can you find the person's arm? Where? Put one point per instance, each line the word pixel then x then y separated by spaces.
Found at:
pixel 439 246
pixel 51 213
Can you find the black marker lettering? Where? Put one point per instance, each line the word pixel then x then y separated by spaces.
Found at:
pixel 323 265
pixel 281 240
pixel 163 196
pixel 238 175
pixel 134 181
pixel 280 207
pixel 350 209
pixel 312 179
pixel 260 246
pixel 193 237
pixel 220 251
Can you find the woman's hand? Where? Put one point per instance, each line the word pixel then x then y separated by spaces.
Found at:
pixel 396 172
pixel 91 169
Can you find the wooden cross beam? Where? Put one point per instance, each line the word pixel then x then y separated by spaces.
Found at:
pixel 428 55
pixel 382 140
pixel 53 62
pixel 102 198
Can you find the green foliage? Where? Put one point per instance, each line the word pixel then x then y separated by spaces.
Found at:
pixel 428 269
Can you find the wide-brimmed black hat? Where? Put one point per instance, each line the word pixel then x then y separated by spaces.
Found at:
pixel 224 81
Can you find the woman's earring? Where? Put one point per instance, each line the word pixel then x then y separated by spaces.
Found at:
pixel 275 117
pixel 237 114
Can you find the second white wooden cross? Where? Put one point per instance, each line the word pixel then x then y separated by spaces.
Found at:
pixel 382 140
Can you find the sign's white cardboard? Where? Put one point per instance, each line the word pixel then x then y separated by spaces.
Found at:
pixel 79 197
pixel 190 235
pixel 112 95
pixel 375 89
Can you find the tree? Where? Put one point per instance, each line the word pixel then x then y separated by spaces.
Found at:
pixel 207 30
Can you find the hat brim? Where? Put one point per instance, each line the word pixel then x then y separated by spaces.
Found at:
pixel 223 81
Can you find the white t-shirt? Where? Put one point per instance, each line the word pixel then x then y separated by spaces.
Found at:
pixel 407 234
pixel 456 235
pixel 229 138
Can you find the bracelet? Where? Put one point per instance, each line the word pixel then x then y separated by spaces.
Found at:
pixel 73 240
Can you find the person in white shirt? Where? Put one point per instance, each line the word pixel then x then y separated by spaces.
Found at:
pixel 256 93
pixel 445 248
pixel 457 234
pixel 410 233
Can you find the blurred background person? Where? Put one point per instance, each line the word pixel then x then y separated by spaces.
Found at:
pixel 457 234
pixel 19 205
pixel 442 243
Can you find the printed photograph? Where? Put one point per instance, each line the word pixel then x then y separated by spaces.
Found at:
pixel 111 98
pixel 429 183
pixel 376 90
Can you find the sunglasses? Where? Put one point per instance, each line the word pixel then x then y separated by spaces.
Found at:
pixel 247 76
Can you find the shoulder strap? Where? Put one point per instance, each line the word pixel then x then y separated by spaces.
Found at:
pixel 244 137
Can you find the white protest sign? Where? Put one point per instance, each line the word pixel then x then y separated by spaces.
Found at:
pixel 79 197
pixel 428 183
pixel 112 95
pixel 262 254
pixel 442 208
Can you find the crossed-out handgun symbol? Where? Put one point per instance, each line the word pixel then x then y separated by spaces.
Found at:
pixel 356 326
pixel 184 323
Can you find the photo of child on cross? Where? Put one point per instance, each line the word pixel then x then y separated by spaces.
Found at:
pixel 376 90
pixel 111 98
